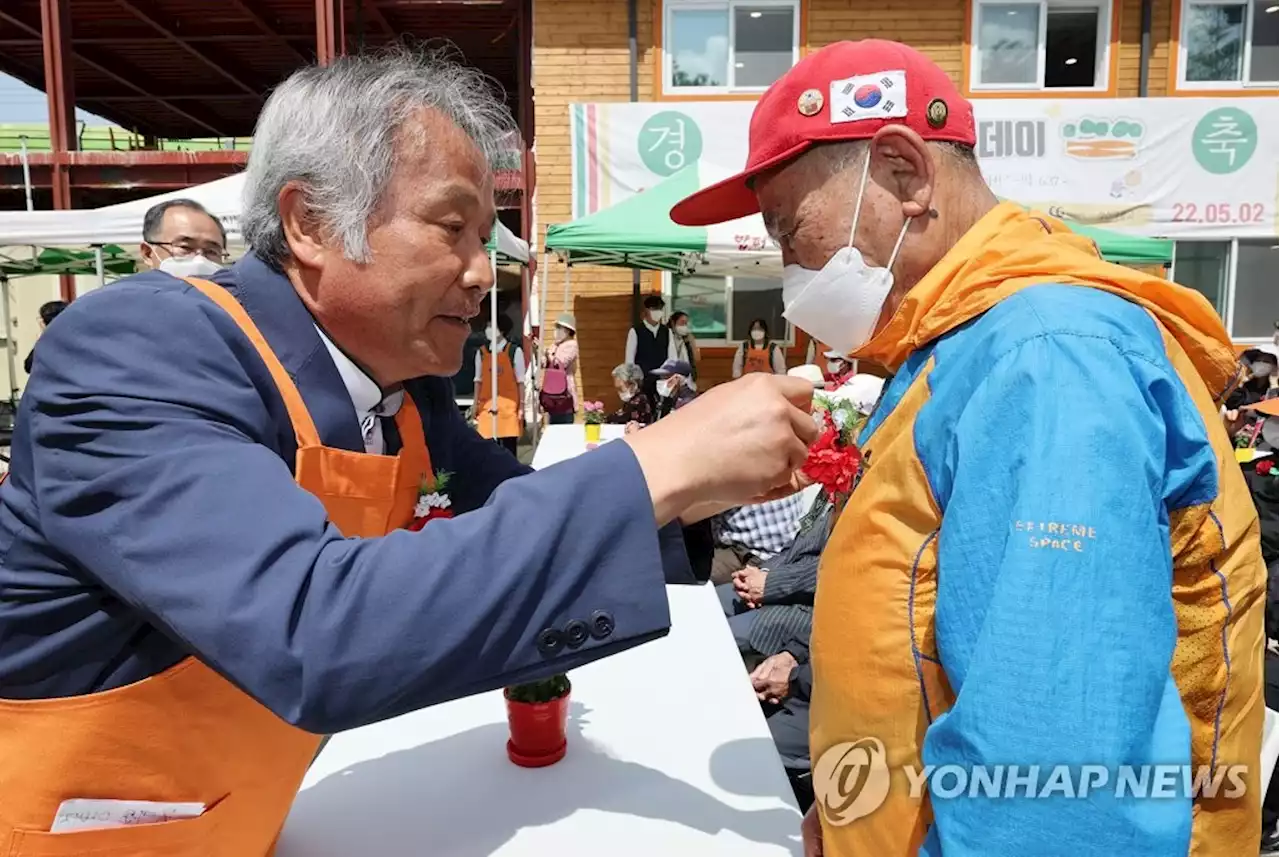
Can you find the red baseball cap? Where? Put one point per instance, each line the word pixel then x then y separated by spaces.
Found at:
pixel 846 91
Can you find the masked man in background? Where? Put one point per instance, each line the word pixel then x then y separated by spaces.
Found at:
pixel 181 238
pixel 1050 558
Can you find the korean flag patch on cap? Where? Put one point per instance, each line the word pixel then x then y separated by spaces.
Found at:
pixel 869 96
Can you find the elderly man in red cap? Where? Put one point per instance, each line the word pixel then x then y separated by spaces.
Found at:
pixel 1038 627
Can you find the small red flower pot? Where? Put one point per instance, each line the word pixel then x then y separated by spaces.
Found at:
pixel 537 731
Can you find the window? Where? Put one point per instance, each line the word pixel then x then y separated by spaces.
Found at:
pixel 721 309
pixel 1238 277
pixel 728 46
pixel 1228 43
pixel 1203 266
pixel 1254 311
pixel 1049 44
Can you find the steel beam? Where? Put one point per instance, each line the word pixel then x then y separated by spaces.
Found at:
pixel 331 30
pixel 266 28
pixel 157 170
pixel 118 98
pixel 371 8
pixel 148 41
pixel 147 17
pixel 59 87
pixel 120 72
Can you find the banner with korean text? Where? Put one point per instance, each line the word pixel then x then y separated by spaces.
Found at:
pixel 1156 167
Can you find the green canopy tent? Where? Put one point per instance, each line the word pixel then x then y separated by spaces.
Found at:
pixel 52 261
pixel 1126 249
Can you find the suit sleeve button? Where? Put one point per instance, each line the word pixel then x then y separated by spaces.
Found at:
pixel 550 641
pixel 576 633
pixel 601 624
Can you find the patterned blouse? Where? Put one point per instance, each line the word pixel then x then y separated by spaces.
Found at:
pixel 639 410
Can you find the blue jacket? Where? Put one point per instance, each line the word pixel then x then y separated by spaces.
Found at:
pixel 151 514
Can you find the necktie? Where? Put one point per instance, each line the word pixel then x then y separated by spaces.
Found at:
pixel 374 425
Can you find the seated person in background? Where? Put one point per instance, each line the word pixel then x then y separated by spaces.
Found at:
pixel 770 601
pixel 751 535
pixel 636 407
pixel 1260 382
pixel 784 685
pixel 673 386
pixel 773 602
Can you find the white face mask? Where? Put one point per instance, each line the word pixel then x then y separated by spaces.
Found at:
pixel 491 334
pixel 627 395
pixel 682 330
pixel 561 335
pixel 757 336
pixel 1261 368
pixel 840 304
pixel 190 266
pixel 664 388
pixel 655 316
pixel 834 367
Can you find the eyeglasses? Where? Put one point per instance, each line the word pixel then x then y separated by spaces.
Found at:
pixel 187 249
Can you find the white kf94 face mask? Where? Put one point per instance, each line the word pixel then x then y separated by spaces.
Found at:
pixel 840 303
pixel 190 266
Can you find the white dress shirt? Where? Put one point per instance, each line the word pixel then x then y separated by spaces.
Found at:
pixel 366 398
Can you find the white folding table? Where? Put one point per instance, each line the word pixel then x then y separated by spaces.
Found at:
pixel 669 754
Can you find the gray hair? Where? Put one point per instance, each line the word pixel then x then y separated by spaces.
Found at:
pixel 628 372
pixel 335 129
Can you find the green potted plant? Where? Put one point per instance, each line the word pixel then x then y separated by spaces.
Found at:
pixel 593 417
pixel 537 716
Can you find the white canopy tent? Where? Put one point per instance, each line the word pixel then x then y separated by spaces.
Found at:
pixel 122 224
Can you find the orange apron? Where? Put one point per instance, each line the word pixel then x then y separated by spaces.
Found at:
pixel 757 360
pixel 505 405
pixel 188 734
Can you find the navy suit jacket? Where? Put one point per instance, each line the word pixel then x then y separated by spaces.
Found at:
pixel 151 514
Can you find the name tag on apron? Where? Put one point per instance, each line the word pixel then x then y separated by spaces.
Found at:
pixel 88 813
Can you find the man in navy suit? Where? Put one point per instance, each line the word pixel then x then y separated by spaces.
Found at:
pixel 153 516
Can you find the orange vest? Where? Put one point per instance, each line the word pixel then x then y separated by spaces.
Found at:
pixel 505 405
pixel 188 734
pixel 757 360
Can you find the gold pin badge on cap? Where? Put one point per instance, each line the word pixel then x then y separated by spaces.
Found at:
pixel 809 102
pixel 937 113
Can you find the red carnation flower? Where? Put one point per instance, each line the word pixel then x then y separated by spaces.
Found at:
pixel 418 523
pixel 830 463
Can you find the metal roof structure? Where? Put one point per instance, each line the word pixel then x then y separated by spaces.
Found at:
pixel 202 68
pixel 167 71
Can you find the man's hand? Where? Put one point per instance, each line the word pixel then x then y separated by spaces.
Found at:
pixel 811 833
pixel 748 583
pixel 737 442
pixel 632 427
pixel 772 679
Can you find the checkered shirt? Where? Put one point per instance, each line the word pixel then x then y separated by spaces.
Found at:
pixel 763 529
